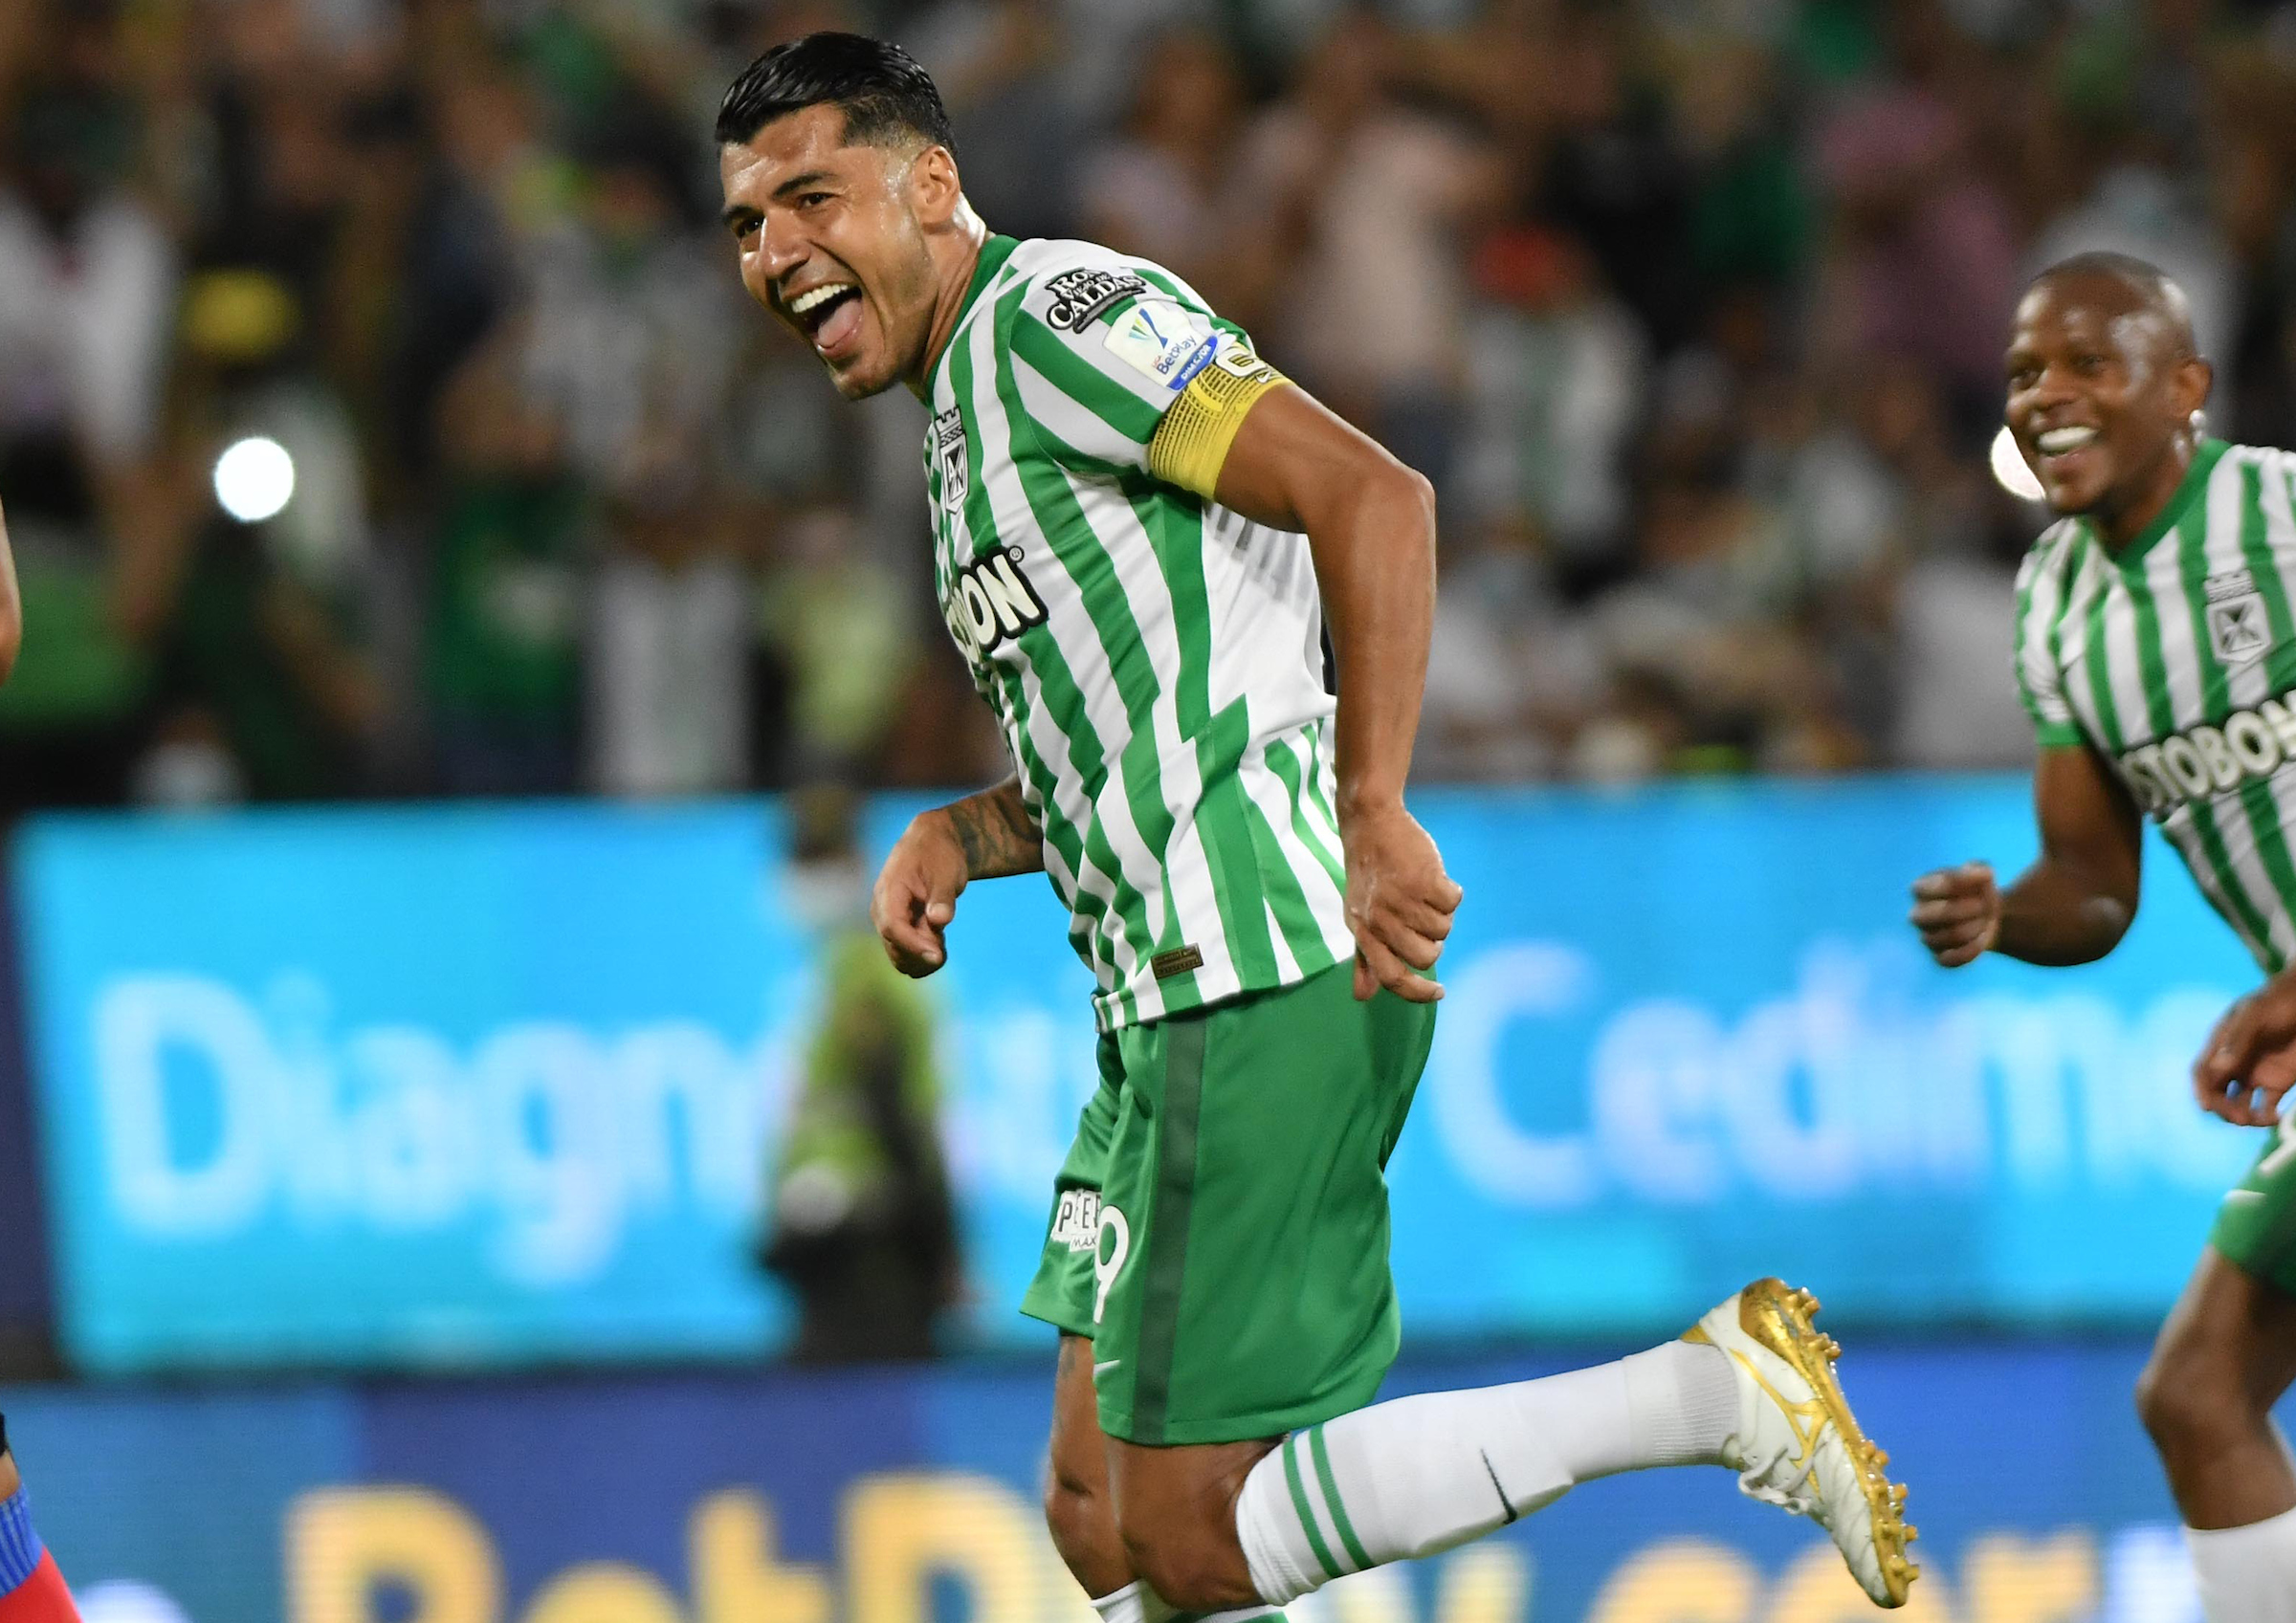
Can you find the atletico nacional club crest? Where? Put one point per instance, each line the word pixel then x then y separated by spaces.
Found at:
pixel 948 447
pixel 2238 628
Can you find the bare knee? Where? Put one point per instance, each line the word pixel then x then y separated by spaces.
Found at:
pixel 2193 1401
pixel 1176 1511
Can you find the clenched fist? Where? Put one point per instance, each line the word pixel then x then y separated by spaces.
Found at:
pixel 1958 913
pixel 916 894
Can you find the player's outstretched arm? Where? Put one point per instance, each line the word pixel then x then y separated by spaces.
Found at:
pixel 983 835
pixel 12 607
pixel 1370 523
pixel 2074 904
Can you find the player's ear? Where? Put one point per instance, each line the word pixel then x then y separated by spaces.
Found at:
pixel 2195 379
pixel 934 192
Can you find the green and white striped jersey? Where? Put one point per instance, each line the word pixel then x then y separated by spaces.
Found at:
pixel 2177 661
pixel 1155 661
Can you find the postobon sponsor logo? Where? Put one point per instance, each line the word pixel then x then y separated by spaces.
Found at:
pixel 2204 761
pixel 989 601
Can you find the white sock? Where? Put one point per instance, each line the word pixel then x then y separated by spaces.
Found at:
pixel 2247 1574
pixel 1419 1475
pixel 1137 1603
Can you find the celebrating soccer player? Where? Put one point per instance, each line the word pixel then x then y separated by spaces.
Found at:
pixel 2158 655
pixel 1139 527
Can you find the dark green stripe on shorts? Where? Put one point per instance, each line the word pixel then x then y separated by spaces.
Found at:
pixel 1164 1285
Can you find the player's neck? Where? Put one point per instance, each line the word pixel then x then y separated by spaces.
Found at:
pixel 955 259
pixel 2119 523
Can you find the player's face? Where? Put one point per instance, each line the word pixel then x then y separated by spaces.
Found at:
pixel 830 242
pixel 2098 391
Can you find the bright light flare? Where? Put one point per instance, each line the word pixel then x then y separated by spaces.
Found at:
pixel 255 480
pixel 2010 470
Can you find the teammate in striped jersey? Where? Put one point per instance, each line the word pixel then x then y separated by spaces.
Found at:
pixel 2156 651
pixel 1138 525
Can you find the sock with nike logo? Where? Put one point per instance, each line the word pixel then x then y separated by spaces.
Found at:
pixel 1419 1475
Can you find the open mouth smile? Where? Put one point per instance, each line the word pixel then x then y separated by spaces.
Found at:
pixel 829 313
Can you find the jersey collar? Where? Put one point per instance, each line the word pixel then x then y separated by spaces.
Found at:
pixel 994 252
pixel 2196 480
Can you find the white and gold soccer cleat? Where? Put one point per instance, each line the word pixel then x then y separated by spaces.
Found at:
pixel 1798 1445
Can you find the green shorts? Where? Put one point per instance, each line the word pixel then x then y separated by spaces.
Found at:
pixel 2256 1227
pixel 1220 1225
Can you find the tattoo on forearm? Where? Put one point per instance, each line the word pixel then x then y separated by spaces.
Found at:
pixel 996 833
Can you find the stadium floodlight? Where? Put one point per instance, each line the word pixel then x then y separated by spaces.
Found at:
pixel 255 480
pixel 2009 469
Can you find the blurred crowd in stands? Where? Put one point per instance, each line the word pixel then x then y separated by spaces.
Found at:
pixel 1691 309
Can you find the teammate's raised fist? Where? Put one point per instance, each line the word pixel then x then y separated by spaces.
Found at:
pixel 1958 913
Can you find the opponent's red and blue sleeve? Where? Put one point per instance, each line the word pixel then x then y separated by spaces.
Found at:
pixel 32 1590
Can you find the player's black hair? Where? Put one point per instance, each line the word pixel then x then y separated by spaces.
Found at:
pixel 885 95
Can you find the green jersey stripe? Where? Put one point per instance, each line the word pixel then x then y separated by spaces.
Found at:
pixel 2231 530
pixel 2208 688
pixel 1174 531
pixel 1283 758
pixel 1081 382
pixel 2067 614
pixel 1058 703
pixel 1097 927
pixel 1140 671
pixel 2160 713
pixel 1187 888
pixel 2038 583
pixel 2191 562
pixel 2221 880
pixel 2263 502
pixel 1167 528
pixel 1225 828
pixel 1296 928
pixel 2099 660
pixel 1062 702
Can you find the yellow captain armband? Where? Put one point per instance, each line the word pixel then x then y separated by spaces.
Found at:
pixel 1190 445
